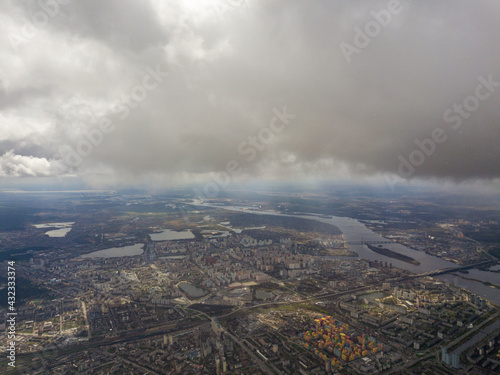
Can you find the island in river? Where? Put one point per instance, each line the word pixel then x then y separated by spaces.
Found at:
pixel 393 254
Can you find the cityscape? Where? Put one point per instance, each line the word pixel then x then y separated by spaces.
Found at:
pixel 250 284
pixel 249 187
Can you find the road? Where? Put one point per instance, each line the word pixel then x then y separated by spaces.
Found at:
pixel 308 299
pixel 474 330
pixel 448 270
pixel 252 355
pixel 136 365
pixel 355 290
pixel 84 310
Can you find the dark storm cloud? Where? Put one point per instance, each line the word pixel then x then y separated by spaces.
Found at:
pixel 228 70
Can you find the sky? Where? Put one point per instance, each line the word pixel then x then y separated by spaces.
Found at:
pixel 175 92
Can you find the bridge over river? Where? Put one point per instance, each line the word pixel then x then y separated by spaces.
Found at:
pixel 461 268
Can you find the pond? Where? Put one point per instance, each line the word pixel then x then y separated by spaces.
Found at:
pixel 170 235
pixel 262 294
pixel 114 252
pixel 191 290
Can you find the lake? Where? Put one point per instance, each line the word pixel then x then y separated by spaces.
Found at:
pixel 115 252
pixel 61 231
pixel 171 235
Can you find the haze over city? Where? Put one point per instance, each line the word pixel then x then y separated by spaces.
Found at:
pixel 249 187
pixel 166 93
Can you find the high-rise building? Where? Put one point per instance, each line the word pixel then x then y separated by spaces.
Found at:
pixel 455 361
pixel 217 366
pixel 445 357
pixel 452 360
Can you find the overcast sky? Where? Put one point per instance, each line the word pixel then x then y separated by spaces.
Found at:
pixel 170 91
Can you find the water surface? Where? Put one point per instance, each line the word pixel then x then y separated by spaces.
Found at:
pixel 115 252
pixel 354 231
pixel 62 229
pixel 170 235
pixel 262 294
pixel 192 290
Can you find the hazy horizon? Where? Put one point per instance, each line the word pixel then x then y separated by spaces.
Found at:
pixel 125 93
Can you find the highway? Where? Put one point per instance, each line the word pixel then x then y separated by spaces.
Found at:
pixel 252 355
pixel 308 299
pixel 355 290
pixel 337 294
pixel 448 270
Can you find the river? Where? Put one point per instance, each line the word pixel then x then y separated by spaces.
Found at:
pixel 354 231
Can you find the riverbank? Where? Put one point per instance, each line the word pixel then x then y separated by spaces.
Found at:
pixel 354 231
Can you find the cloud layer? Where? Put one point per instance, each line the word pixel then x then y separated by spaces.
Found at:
pixel 169 90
